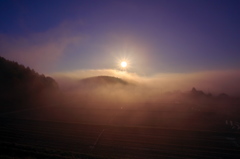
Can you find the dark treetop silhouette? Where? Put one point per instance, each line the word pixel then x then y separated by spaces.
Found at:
pixel 22 86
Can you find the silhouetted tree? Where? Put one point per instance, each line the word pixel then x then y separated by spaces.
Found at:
pixel 20 84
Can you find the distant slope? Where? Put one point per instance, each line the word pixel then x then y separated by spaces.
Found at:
pixel 21 85
pixel 103 81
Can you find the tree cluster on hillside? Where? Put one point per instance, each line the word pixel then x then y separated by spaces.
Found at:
pixel 20 85
pixel 198 93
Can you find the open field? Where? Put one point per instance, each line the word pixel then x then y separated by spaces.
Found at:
pixel 120 132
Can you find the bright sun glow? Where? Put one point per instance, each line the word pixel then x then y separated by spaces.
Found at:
pixel 124 64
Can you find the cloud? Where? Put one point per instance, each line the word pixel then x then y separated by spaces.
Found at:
pixel 40 50
pixel 209 81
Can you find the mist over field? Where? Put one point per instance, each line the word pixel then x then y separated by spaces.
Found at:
pixel 92 110
pixel 154 88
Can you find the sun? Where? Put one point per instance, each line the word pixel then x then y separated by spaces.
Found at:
pixel 123 64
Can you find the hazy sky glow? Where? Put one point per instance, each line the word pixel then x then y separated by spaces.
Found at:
pixel 156 36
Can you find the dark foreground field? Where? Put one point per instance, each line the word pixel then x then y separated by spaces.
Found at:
pixel 119 132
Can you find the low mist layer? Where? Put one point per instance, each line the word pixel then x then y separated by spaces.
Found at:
pixel 214 82
pixel 202 87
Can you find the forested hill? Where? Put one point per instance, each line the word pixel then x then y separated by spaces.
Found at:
pixel 21 86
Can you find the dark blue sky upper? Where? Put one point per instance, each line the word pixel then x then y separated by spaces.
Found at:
pixel 156 35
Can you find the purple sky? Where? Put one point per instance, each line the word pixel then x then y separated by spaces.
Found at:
pixel 156 36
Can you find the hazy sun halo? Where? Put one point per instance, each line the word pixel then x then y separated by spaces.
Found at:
pixel 124 64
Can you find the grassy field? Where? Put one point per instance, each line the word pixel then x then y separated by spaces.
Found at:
pixel 117 132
